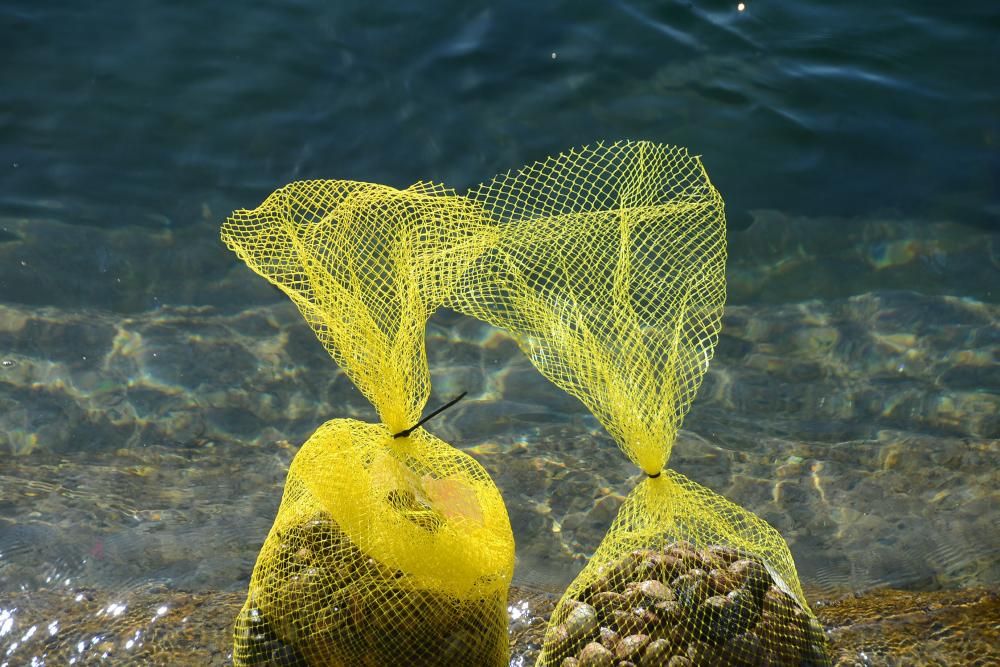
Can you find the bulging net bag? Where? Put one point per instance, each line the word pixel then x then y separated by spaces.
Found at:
pixel 609 268
pixel 390 547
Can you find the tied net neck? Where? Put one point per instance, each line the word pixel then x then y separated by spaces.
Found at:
pixel 609 268
pixel 366 265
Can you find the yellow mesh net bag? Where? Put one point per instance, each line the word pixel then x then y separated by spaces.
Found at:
pixel 609 268
pixel 385 550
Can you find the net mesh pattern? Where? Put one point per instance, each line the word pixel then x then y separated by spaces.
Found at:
pixel 384 551
pixel 684 573
pixel 607 264
pixel 366 265
pixel 381 554
pixel 609 269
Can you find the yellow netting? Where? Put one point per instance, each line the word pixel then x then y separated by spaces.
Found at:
pixel 609 268
pixel 607 264
pixel 385 551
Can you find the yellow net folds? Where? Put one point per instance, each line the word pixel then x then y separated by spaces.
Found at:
pixel 385 550
pixel 609 268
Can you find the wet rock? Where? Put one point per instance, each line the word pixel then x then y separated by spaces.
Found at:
pixel 669 566
pixel 581 623
pixel 727 555
pixel 657 652
pixel 631 647
pixel 667 616
pixel 625 570
pixel 595 655
pixel 691 589
pixel 629 622
pixel 557 638
pixel 633 596
pixel 751 575
pixel 815 655
pixel 262 645
pixel 609 638
pixel 656 591
pixel 709 560
pixel 779 606
pixel 745 649
pixel 651 620
pixel 815 633
pixel 607 602
pixel 721 581
pixel 780 647
pixel 703 653
pixel 729 615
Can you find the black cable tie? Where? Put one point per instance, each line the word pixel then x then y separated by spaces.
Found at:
pixel 653 476
pixel 405 433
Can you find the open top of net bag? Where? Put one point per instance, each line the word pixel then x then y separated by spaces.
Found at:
pixel 609 269
pixel 390 547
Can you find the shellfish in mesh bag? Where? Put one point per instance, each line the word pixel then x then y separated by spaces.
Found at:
pixel 609 269
pixel 390 547
pixel 680 603
pixel 317 597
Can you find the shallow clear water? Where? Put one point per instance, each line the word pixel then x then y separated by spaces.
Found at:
pixel 153 391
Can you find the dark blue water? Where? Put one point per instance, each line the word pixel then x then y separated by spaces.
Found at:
pixel 164 113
